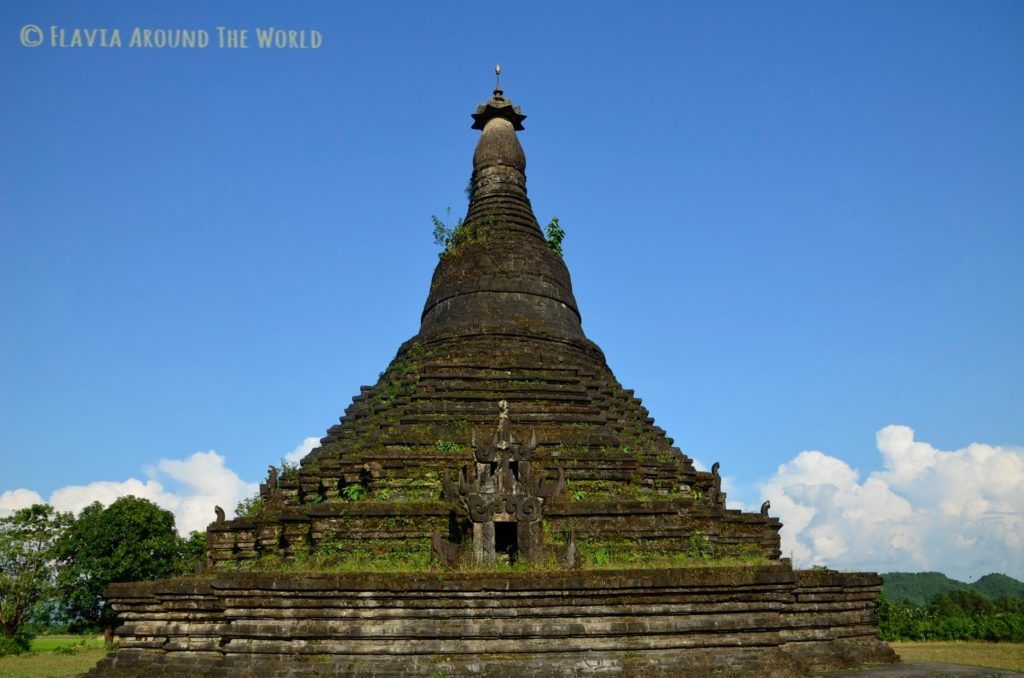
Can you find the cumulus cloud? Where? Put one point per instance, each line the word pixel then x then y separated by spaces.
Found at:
pixel 12 500
pixel 208 483
pixel 303 448
pixel 188 487
pixel 76 497
pixel 960 512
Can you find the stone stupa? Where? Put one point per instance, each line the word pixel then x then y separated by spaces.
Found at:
pixel 496 503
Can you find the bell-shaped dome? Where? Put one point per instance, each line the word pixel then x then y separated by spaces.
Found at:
pixel 498 275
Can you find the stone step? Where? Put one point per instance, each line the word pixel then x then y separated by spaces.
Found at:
pixel 558 386
pixel 523 419
pixel 482 373
pixel 535 396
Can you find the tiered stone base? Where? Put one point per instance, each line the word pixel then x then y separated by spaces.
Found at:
pixel 765 620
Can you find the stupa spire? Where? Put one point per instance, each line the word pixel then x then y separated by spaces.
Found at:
pixel 498 275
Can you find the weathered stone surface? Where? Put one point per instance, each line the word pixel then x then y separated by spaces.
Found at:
pixel 738 621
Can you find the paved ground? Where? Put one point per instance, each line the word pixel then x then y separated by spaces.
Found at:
pixel 925 670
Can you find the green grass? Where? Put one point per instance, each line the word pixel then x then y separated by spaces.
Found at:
pixel 599 559
pixel 1008 656
pixel 643 561
pixel 55 656
pixel 66 641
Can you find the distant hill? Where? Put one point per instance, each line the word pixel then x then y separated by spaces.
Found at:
pixel 999 585
pixel 920 587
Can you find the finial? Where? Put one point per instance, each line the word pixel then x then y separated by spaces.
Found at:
pixel 498 107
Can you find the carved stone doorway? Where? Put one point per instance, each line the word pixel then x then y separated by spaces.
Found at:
pixel 506 542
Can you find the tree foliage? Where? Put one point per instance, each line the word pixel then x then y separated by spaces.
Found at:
pixel 27 571
pixel 193 553
pixel 958 615
pixel 555 234
pixel 131 540
pixel 249 507
pixel 919 588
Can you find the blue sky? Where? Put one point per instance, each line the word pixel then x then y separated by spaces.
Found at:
pixel 789 225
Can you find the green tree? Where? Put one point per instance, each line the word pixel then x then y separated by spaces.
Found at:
pixel 131 540
pixel 972 603
pixel 27 541
pixel 193 552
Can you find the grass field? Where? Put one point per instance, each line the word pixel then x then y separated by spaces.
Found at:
pixel 974 652
pixel 54 657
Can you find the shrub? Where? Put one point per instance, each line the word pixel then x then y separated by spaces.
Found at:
pixel 20 642
pixel 555 234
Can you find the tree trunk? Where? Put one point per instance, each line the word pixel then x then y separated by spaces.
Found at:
pixel 108 634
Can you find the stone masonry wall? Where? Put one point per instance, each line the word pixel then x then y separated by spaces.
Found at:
pixel 653 525
pixel 743 621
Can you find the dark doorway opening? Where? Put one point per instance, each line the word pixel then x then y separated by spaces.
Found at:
pixel 506 542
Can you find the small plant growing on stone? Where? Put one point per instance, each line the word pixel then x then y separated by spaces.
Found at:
pixel 555 234
pixel 289 469
pixel 699 546
pixel 446 446
pixel 578 495
pixel 248 507
pixel 444 232
pixel 454 238
pixel 353 492
pixel 328 548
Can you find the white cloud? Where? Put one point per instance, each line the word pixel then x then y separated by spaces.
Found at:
pixel 202 478
pixel 208 483
pixel 303 448
pixel 188 487
pixel 76 497
pixel 960 512
pixel 12 500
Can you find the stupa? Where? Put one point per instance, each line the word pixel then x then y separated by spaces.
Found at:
pixel 497 503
